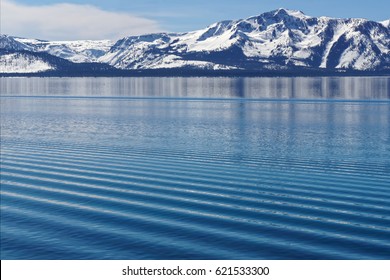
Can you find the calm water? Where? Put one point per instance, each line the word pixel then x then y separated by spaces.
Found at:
pixel 195 168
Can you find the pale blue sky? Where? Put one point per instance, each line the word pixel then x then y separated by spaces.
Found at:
pixel 182 15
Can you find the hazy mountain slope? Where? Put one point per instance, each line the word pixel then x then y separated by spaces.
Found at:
pixel 75 51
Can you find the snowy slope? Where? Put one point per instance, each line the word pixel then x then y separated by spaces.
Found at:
pixel 386 23
pixel 75 51
pixel 23 63
pixel 9 43
pixel 280 38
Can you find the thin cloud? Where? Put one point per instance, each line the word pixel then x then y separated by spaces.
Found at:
pixel 70 22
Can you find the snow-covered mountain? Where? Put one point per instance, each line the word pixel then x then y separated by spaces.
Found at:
pixel 9 43
pixel 75 51
pixel 21 55
pixel 27 62
pixel 277 40
pixel 23 62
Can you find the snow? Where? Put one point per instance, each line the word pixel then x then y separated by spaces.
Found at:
pixel 218 42
pixel 9 42
pixel 290 36
pixel 293 13
pixel 75 51
pixel 302 54
pixel 20 63
pixel 340 30
pixel 176 62
pixel 386 23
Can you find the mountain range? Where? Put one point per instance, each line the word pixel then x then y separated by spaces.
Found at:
pixel 280 40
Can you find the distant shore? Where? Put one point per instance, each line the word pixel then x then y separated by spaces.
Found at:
pixel 202 73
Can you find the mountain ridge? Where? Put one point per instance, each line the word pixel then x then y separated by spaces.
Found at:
pixel 277 40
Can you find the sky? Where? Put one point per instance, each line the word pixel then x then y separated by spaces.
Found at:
pixel 114 19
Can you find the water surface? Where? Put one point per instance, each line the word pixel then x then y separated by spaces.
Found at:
pixel 195 168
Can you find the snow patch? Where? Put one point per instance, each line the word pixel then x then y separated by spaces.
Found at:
pixel 20 63
pixel 386 23
pixel 75 51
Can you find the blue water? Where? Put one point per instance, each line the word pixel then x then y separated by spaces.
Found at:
pixel 195 168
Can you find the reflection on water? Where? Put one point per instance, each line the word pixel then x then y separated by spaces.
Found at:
pixel 241 129
pixel 347 88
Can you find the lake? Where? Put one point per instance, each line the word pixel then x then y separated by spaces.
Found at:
pixel 195 168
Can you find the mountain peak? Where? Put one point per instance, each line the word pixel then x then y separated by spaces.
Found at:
pixel 386 23
pixel 279 39
pixel 9 43
pixel 283 13
pixel 293 13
